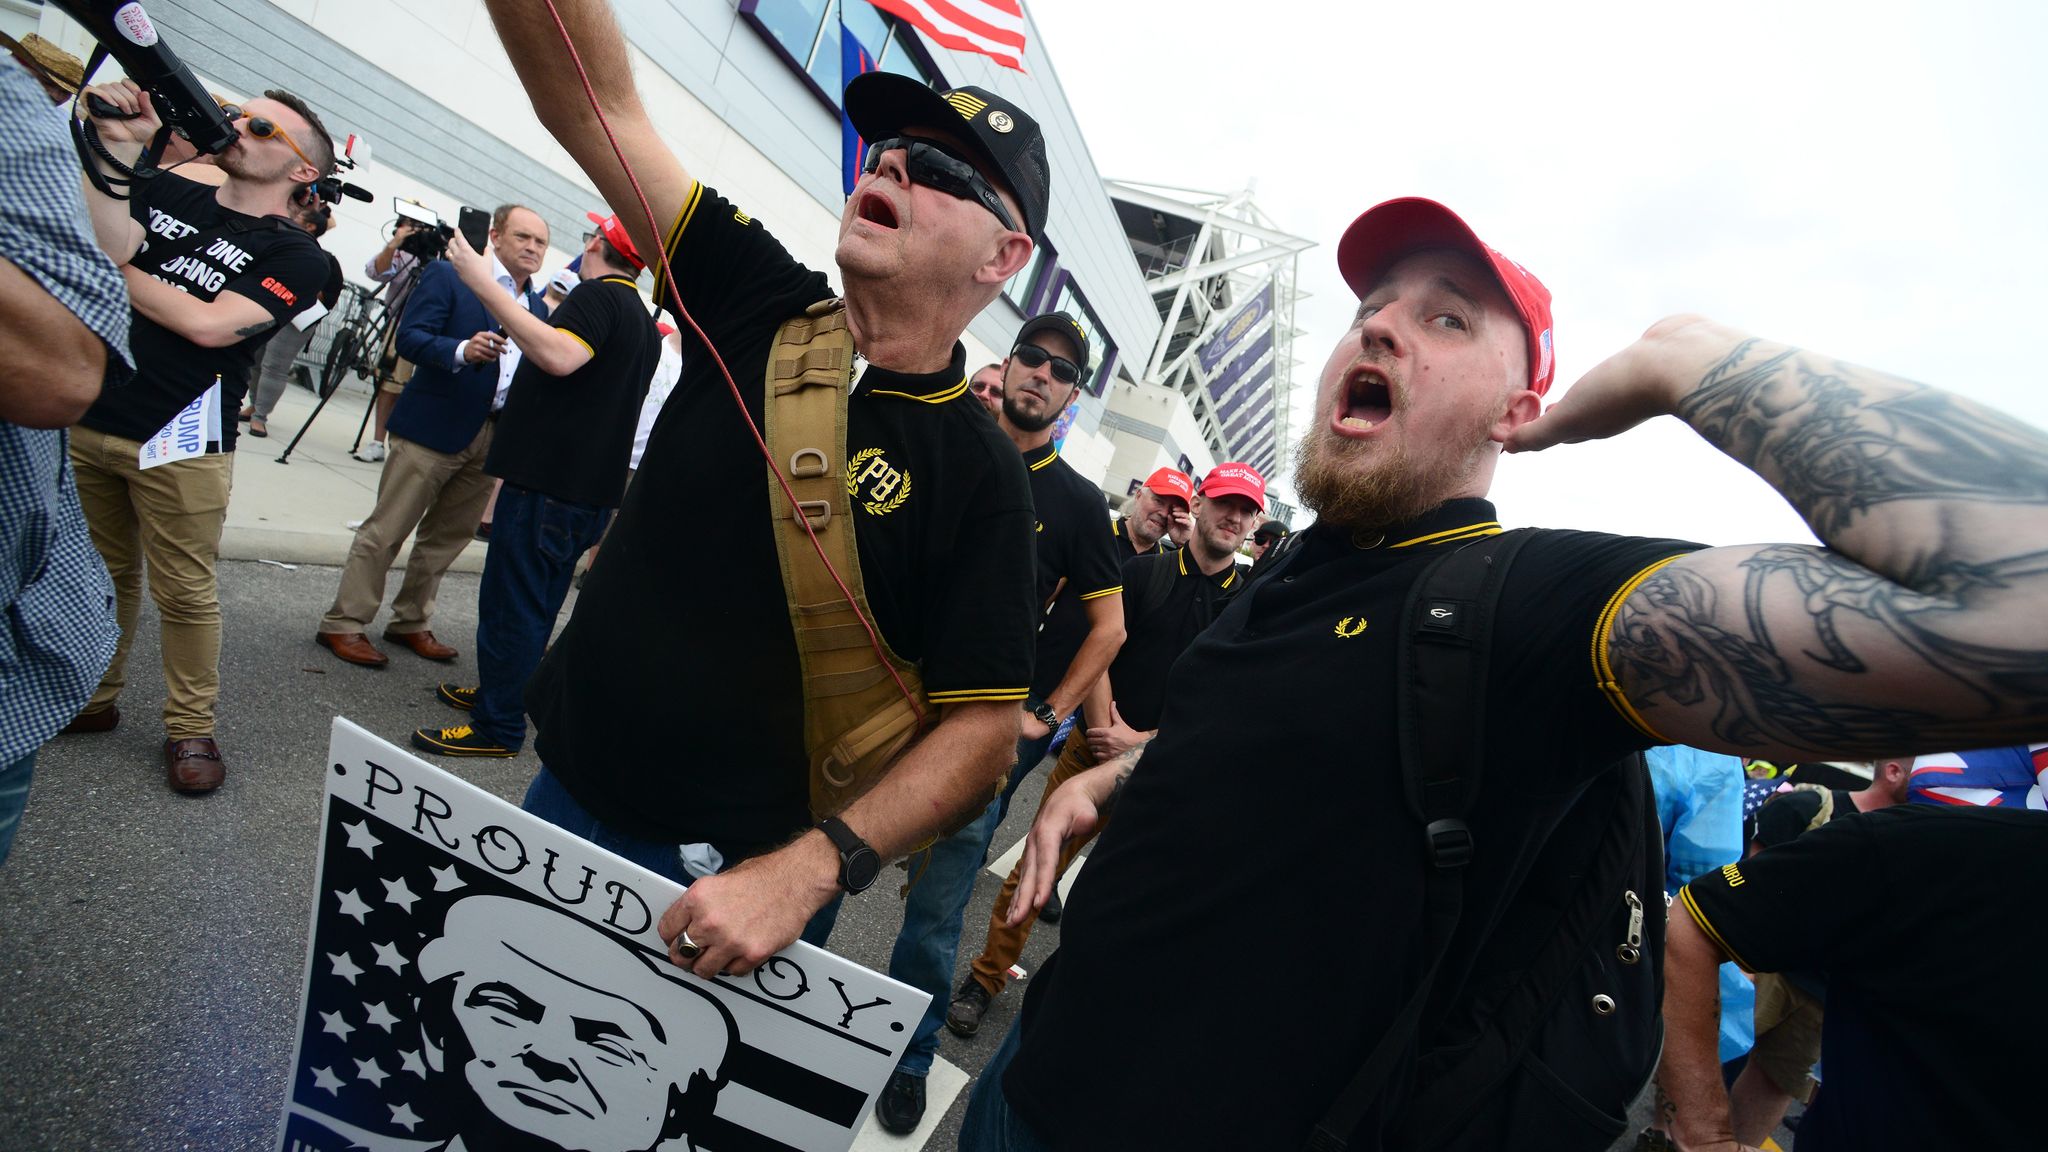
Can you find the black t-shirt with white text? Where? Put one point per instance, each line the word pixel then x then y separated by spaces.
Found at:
pixel 1922 920
pixel 203 249
pixel 1340 892
pixel 571 437
pixel 1156 634
pixel 1076 562
pixel 672 705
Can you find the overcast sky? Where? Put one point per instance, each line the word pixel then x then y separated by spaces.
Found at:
pixel 1865 179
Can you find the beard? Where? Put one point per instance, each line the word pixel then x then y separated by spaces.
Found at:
pixel 1333 482
pixel 1039 423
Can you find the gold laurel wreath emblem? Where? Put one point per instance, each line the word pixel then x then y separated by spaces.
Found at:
pixel 1344 629
pixel 874 507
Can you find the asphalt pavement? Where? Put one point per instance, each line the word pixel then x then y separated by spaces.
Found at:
pixel 153 944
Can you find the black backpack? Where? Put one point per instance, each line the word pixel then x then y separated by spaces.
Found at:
pixel 1568 988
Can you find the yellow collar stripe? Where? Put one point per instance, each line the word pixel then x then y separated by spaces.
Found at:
pixel 939 397
pixel 1483 528
pixel 1049 458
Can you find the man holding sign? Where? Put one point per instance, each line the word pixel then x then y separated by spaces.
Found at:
pixel 213 273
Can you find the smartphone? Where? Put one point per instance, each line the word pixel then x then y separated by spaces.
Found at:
pixel 418 213
pixel 475 224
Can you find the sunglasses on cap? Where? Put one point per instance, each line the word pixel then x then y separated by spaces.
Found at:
pixel 936 168
pixel 1063 370
pixel 264 129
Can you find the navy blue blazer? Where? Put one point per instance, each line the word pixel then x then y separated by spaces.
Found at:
pixel 442 408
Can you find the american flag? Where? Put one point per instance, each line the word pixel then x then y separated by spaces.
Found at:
pixel 1988 777
pixel 365 1074
pixel 994 28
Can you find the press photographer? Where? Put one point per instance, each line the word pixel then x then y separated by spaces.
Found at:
pixel 212 273
pixel 418 237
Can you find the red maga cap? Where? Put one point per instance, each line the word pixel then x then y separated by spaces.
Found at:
pixel 1234 479
pixel 614 234
pixel 1387 232
pixel 1172 482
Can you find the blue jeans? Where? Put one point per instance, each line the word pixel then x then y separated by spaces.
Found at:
pixel 535 542
pixel 928 944
pixel 13 798
pixel 990 1124
pixel 547 799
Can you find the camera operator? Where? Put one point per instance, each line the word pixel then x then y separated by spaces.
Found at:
pixel 275 369
pixel 441 429
pixel 212 274
pixel 396 266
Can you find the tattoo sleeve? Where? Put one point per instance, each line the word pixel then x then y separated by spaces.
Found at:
pixel 1126 764
pixel 1923 625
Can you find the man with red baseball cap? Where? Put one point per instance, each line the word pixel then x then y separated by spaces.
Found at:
pixel 1452 1027
pixel 1147 520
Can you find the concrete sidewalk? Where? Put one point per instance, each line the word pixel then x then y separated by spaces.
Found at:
pixel 299 513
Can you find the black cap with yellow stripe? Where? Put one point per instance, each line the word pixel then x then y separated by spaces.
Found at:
pixel 882 104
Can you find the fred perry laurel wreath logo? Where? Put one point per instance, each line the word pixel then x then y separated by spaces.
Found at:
pixel 1000 121
pixel 1350 626
pixel 889 488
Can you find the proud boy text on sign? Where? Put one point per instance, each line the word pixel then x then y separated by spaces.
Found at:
pixel 476 974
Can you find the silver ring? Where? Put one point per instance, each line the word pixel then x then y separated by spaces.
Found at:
pixel 687 948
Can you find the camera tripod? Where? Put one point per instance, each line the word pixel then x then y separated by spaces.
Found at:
pixel 356 348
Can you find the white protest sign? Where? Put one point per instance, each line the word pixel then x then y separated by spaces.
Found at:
pixel 478 978
pixel 188 433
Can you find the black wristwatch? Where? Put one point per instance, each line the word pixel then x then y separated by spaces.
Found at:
pixel 1045 715
pixel 858 863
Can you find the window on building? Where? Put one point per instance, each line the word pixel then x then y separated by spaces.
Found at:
pixel 1025 287
pixel 806 32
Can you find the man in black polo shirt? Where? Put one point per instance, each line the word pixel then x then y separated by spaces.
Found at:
pixel 1168 600
pixel 562 445
pixel 677 738
pixel 1931 1011
pixel 1078 586
pixel 1906 631
pixel 213 273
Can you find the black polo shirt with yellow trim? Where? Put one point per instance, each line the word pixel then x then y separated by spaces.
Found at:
pixel 1155 634
pixel 571 436
pixel 1076 562
pixel 1334 887
pixel 672 707
pixel 1931 1003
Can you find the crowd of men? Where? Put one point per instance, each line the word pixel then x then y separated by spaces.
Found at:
pixel 1476 881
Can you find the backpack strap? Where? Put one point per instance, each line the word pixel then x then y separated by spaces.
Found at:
pixel 856 720
pixel 1446 641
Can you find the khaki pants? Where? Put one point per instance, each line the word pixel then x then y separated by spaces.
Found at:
pixel 168 518
pixel 1005 944
pixel 439 494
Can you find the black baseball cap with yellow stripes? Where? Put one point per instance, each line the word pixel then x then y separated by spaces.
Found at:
pixel 882 104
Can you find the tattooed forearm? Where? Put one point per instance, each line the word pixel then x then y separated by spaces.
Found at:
pixel 1825 656
pixel 1838 440
pixel 256 329
pixel 1125 764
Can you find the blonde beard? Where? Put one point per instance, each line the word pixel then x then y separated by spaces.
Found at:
pixel 1400 488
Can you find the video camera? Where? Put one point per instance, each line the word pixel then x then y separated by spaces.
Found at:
pixel 430 236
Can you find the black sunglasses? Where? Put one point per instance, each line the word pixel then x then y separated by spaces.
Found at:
pixel 936 168
pixel 1063 370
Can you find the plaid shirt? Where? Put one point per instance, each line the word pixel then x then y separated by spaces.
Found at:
pixel 58 630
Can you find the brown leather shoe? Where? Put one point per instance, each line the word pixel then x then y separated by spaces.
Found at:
pixel 422 644
pixel 353 647
pixel 100 721
pixel 194 765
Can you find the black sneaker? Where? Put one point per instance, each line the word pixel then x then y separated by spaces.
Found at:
pixel 901 1104
pixel 461 740
pixel 963 1015
pixel 457 697
pixel 1053 910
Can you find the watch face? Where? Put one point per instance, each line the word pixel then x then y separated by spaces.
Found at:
pixel 861 869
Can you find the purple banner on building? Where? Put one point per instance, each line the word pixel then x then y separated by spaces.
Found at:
pixel 1228 337
pixel 1231 374
pixel 1258 386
